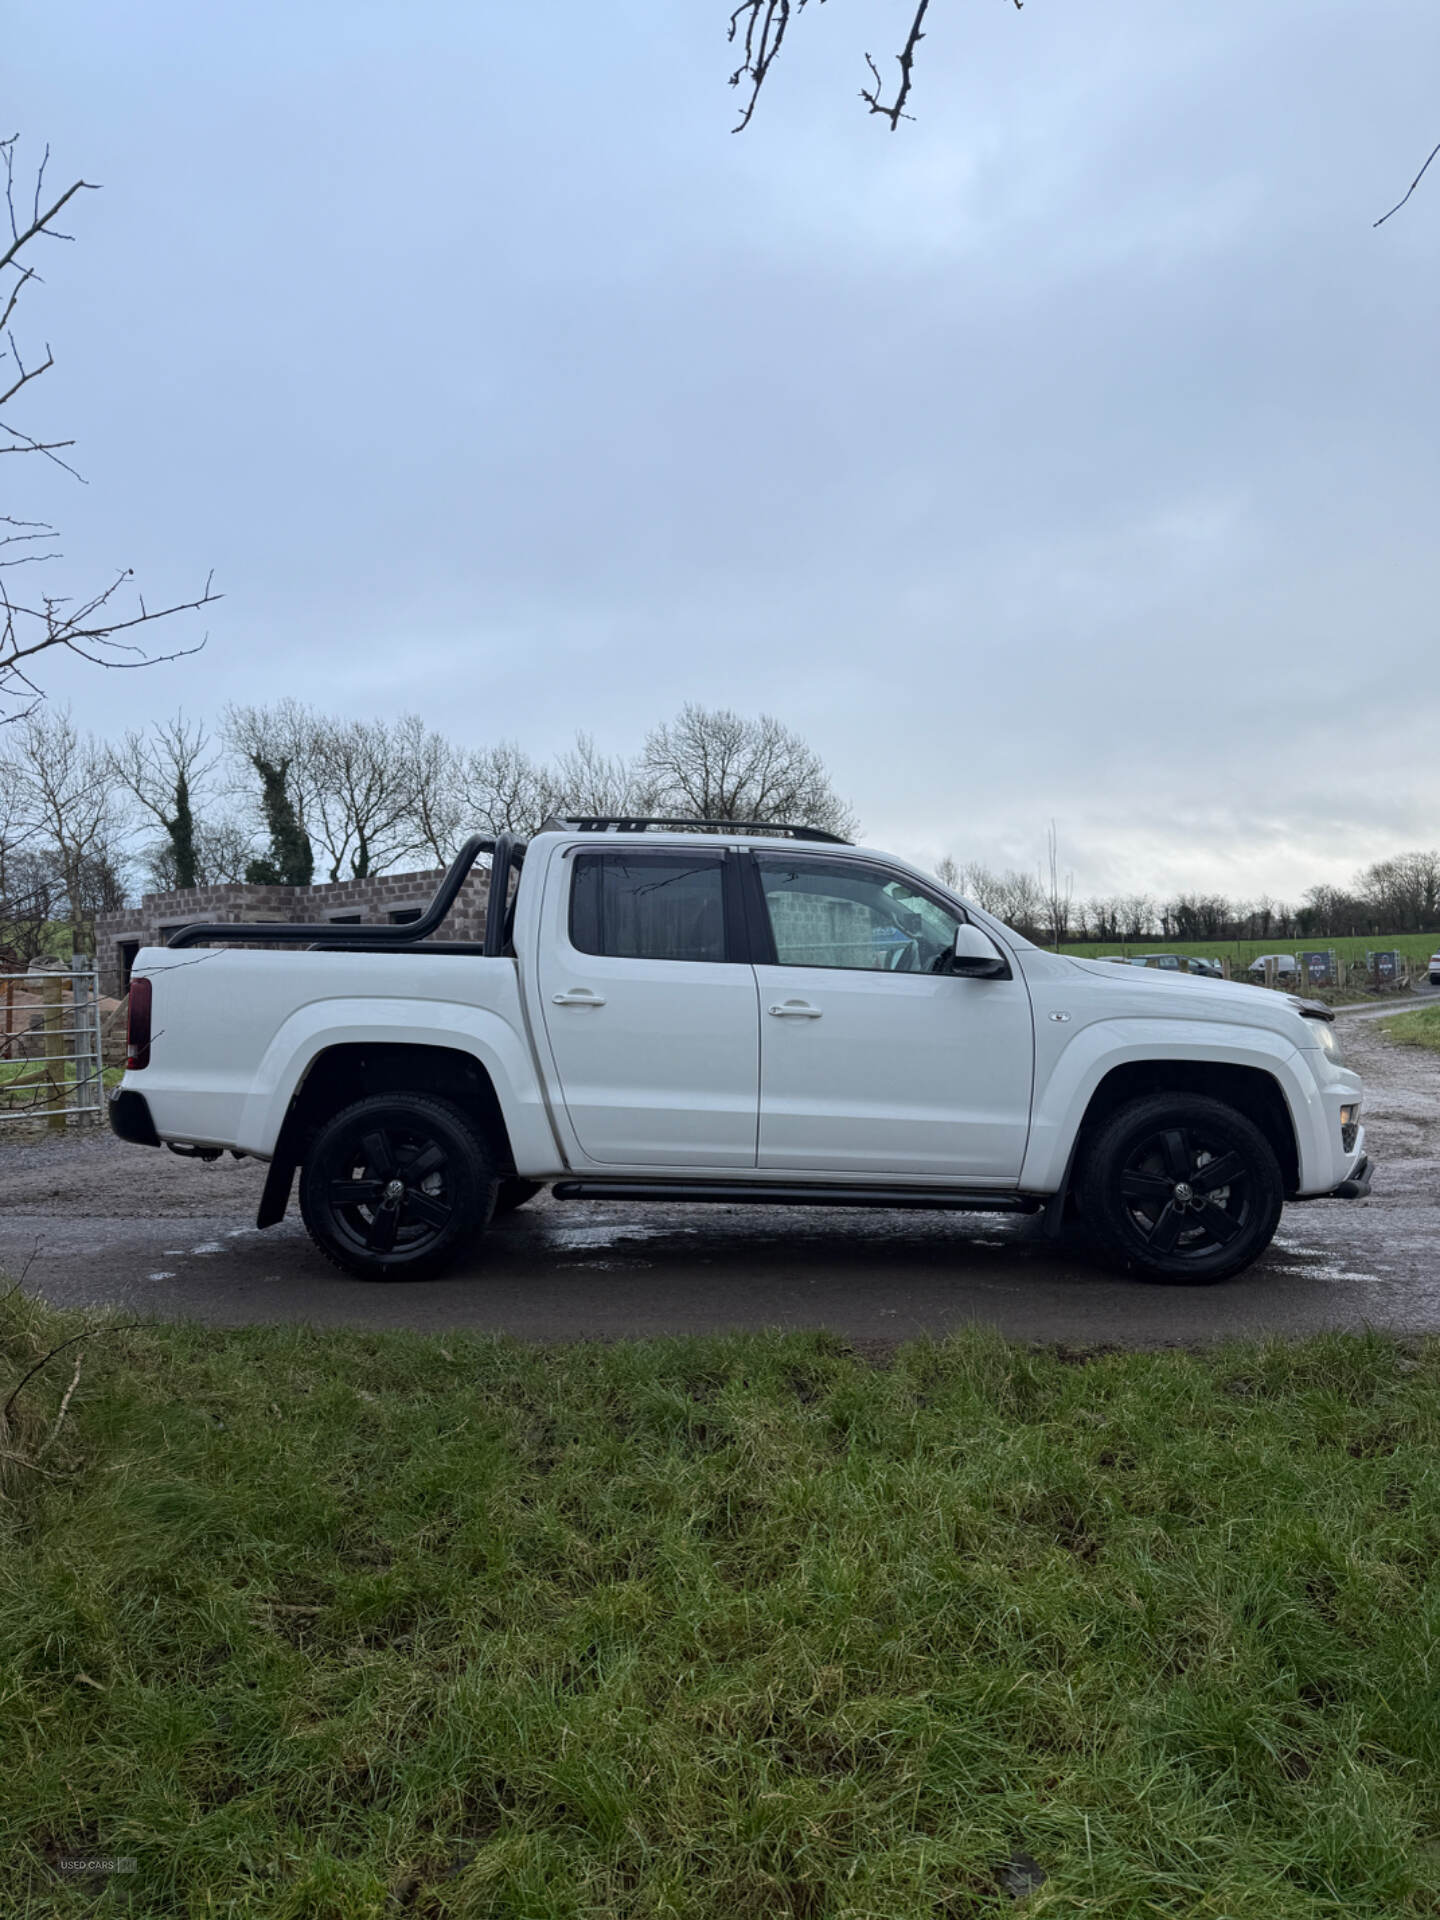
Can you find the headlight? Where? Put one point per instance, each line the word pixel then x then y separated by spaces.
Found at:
pixel 1325 1034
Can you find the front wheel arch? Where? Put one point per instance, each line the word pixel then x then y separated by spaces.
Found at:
pixel 1249 1090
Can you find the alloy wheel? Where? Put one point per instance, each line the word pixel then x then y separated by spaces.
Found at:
pixel 1185 1196
pixel 393 1191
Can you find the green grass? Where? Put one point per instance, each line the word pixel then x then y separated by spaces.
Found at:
pixel 1419 1029
pixel 342 1624
pixel 1419 947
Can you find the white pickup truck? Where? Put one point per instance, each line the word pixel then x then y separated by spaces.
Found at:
pixel 701 1011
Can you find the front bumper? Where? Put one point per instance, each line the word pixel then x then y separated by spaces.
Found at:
pixel 130 1118
pixel 1355 1185
pixel 1358 1184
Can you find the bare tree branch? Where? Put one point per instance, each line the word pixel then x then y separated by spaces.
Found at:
pixel 90 1333
pixel 54 1433
pixel 94 627
pixel 760 27
pixel 1410 189
pixel 895 112
pixel 765 23
pixel 40 222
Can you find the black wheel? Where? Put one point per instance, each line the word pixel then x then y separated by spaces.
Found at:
pixel 1180 1187
pixel 396 1186
pixel 513 1194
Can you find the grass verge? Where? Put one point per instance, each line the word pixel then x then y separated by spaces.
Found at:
pixel 345 1624
pixel 1420 1029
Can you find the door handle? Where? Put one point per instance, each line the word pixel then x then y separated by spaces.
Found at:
pixel 795 1010
pixel 578 997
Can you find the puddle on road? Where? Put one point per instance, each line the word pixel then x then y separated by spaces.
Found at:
pixel 1311 1263
pixel 607 1266
pixel 579 1237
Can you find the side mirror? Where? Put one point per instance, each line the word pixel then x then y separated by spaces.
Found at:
pixel 975 955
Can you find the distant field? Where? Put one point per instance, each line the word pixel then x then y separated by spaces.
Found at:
pixel 1419 947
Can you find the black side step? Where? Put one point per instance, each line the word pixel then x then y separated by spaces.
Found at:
pixel 971 1200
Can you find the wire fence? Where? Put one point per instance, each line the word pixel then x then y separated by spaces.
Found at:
pixel 52 1053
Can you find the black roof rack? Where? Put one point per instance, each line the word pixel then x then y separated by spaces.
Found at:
pixel 634 823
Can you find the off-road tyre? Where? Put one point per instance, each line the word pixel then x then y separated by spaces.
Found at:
pixel 513 1194
pixel 397 1186
pixel 1180 1188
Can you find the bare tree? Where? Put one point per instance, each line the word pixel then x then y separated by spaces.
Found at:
pixel 32 899
pixel 1012 896
pixel 362 810
pixel 65 798
pixel 287 734
pixel 1402 893
pixel 587 781
pixel 1334 910
pixel 368 793
pixel 1137 916
pixel 224 850
pixel 436 791
pixel 100 624
pixel 168 771
pixel 1058 892
pixel 715 764
pixel 502 790
pixel 1103 917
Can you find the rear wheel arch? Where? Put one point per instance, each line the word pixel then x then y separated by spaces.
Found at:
pixel 1249 1090
pixel 340 1075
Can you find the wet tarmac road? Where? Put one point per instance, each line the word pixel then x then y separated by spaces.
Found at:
pixel 102 1224
pixel 574 1272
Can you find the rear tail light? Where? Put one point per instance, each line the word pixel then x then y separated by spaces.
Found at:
pixel 137 1033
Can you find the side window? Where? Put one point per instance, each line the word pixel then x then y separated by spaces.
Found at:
pixel 654 906
pixel 826 913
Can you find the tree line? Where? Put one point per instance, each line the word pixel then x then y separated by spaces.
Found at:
pixel 1397 895
pixel 283 793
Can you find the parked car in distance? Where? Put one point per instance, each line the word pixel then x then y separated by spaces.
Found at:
pixel 1435 969
pixel 1285 965
pixel 708 1011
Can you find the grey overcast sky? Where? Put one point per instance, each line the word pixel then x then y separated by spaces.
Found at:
pixel 1071 452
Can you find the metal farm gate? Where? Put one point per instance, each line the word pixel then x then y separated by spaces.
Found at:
pixel 51 1047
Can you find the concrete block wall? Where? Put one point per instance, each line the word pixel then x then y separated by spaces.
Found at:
pixel 812 930
pixel 158 915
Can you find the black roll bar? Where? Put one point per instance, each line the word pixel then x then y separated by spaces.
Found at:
pixel 507 855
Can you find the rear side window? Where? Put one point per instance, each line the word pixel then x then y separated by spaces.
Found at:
pixel 650 906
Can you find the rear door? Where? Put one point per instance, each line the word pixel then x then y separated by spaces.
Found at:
pixel 650 1006
pixel 873 1059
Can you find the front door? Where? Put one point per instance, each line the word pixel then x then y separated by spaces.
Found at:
pixel 872 1060
pixel 653 1026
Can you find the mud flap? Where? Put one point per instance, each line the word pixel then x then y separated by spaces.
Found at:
pixel 276 1196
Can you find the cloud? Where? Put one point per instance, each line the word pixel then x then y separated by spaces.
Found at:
pixel 1068 454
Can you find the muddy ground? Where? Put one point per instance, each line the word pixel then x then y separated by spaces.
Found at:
pixel 102 1223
